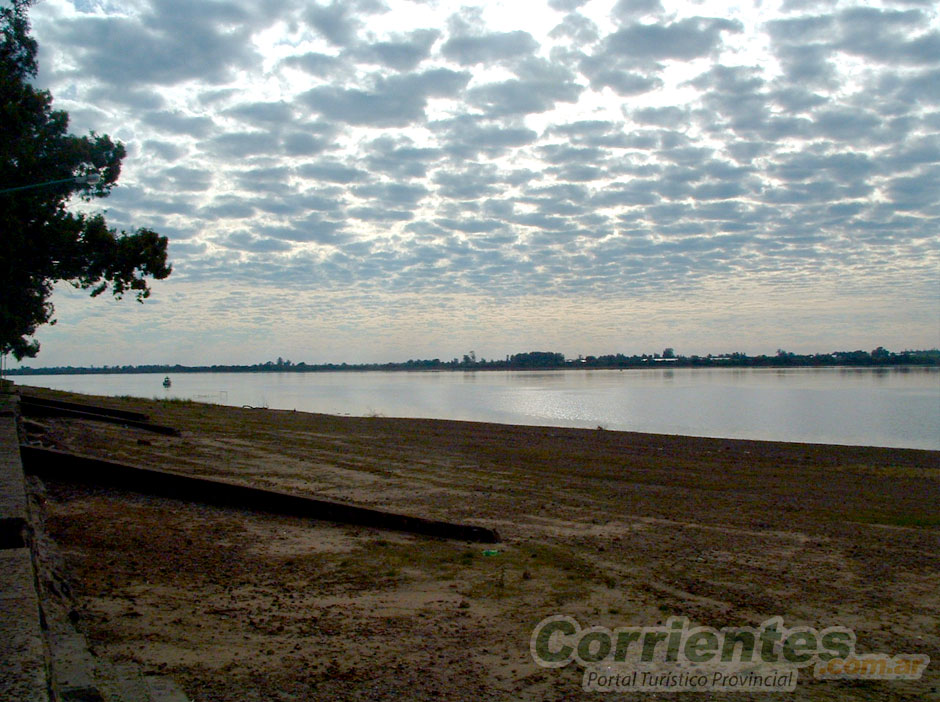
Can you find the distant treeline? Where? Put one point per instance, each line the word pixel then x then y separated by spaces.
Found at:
pixel 540 360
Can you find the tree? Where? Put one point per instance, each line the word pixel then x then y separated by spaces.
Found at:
pixel 537 359
pixel 42 242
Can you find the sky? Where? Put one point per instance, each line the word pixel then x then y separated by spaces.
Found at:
pixel 380 180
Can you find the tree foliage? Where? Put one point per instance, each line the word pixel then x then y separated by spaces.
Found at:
pixel 41 242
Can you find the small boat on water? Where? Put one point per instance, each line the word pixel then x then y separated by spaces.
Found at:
pixel 166 382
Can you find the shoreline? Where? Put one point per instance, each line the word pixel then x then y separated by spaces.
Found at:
pixel 611 528
pixel 119 401
pixel 658 364
pixel 593 403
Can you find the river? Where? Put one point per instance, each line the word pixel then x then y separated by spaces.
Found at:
pixel 898 407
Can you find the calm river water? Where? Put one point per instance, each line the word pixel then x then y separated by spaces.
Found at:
pixel 875 407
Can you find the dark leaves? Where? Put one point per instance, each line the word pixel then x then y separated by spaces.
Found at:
pixel 42 242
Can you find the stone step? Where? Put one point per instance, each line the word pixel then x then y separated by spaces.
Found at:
pixel 121 682
pixel 72 666
pixel 164 689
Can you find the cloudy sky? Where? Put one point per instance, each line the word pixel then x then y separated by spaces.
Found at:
pixel 389 179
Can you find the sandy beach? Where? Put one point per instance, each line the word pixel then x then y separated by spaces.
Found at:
pixel 611 528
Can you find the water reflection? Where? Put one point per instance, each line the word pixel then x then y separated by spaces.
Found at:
pixel 869 406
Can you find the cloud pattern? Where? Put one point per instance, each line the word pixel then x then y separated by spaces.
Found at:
pixel 646 147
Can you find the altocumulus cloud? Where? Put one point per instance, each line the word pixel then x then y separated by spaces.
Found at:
pixel 573 148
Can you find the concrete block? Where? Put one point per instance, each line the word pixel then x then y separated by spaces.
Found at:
pixel 72 664
pixel 12 486
pixel 8 404
pixel 121 682
pixel 164 689
pixel 23 672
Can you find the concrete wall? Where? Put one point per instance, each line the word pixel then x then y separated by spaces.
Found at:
pixel 23 659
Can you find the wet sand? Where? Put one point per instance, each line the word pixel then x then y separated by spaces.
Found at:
pixel 612 528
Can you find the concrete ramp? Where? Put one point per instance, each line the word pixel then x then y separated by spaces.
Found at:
pixel 27 399
pixel 40 407
pixel 70 467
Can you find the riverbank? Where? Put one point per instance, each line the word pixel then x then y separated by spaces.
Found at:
pixel 854 407
pixel 612 528
pixel 542 361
